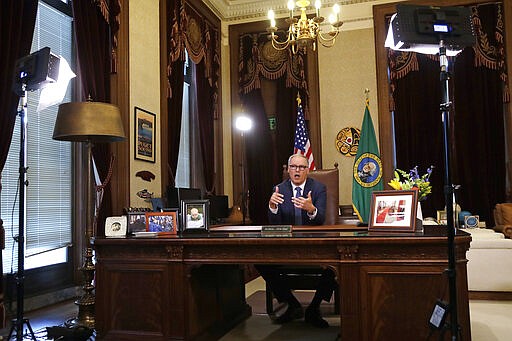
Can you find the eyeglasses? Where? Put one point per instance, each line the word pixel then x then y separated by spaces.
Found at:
pixel 297 167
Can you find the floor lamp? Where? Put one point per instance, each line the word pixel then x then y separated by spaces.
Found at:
pixel 432 30
pixel 39 70
pixel 88 122
pixel 243 124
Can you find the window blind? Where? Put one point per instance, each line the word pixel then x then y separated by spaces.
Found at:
pixel 49 190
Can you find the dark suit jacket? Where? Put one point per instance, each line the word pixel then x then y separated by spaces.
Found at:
pixel 286 212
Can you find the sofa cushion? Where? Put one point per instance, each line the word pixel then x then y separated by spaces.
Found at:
pixel 488 239
pixel 480 233
pixel 504 214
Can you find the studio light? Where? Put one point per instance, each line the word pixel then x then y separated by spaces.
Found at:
pixel 38 70
pixel 304 32
pixel 243 124
pixel 421 28
pixel 444 31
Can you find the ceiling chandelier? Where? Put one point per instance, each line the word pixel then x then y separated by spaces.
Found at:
pixel 304 32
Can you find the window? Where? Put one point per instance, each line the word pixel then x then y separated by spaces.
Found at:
pixel 49 190
pixel 190 149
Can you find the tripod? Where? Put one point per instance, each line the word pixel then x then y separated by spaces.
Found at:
pixel 448 193
pixel 20 321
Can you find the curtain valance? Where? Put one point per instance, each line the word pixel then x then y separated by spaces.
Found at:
pixel 195 34
pixel 258 58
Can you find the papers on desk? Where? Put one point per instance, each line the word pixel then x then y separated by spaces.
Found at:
pixel 145 234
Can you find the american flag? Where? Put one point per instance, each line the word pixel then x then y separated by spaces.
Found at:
pixel 302 144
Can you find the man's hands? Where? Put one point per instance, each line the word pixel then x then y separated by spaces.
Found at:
pixel 275 199
pixel 302 203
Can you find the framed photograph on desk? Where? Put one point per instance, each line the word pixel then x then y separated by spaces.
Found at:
pixel 162 222
pixel 393 211
pixel 194 215
pixel 136 221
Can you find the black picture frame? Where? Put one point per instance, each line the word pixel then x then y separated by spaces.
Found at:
pixel 145 135
pixel 136 222
pixel 189 221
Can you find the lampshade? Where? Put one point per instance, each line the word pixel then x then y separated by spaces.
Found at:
pixel 88 121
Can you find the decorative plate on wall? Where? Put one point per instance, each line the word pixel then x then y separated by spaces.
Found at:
pixel 347 141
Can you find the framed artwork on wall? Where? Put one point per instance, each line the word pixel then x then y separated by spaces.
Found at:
pixel 145 135
pixel 393 211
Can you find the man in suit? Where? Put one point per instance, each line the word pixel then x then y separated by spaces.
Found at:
pixel 298 200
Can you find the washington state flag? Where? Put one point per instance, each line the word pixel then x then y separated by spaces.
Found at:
pixel 367 171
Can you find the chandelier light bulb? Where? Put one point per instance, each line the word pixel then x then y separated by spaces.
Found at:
pixel 318 4
pixel 336 9
pixel 291 5
pixel 332 18
pixel 271 15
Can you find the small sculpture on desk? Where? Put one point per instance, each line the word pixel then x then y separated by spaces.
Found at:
pixel 235 217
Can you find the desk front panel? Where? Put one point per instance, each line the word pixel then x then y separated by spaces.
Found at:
pixel 388 285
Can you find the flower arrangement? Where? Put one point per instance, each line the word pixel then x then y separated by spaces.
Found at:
pixel 412 180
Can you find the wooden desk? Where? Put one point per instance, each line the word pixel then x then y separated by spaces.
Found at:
pixel 191 287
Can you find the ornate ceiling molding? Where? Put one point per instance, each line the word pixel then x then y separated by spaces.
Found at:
pixel 243 10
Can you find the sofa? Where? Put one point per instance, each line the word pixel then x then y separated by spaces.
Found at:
pixel 503 219
pixel 489 263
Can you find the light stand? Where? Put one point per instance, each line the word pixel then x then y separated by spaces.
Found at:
pixel 32 72
pixel 243 123
pixel 448 192
pixel 20 321
pixel 429 30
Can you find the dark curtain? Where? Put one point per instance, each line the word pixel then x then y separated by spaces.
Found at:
pixel 93 44
pixel 479 157
pixel 192 32
pixel 259 151
pixel 477 141
pixel 418 128
pixel 206 105
pixel 279 76
pixel 268 150
pixel 174 109
pixel 175 78
pixel 17 21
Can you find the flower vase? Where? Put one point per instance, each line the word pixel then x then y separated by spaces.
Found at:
pixel 419 218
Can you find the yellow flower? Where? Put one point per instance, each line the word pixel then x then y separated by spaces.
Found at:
pixel 395 184
pixel 407 181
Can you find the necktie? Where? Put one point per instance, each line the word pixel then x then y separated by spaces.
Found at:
pixel 298 211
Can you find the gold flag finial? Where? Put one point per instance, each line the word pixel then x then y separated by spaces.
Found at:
pixel 298 99
pixel 367 92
